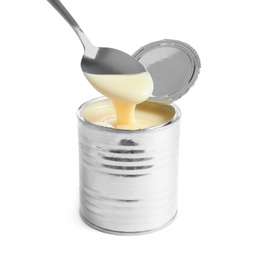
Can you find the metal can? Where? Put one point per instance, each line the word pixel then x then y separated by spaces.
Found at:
pixel 128 178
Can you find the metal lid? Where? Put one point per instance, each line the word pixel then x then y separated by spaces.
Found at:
pixel 173 65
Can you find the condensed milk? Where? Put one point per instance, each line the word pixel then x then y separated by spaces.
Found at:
pixel 147 114
pixel 125 91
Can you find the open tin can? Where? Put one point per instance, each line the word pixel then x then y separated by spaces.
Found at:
pixel 128 178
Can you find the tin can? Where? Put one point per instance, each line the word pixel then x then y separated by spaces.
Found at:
pixel 128 178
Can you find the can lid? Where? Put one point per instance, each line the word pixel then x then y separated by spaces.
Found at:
pixel 174 67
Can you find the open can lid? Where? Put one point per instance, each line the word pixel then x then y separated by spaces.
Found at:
pixel 174 67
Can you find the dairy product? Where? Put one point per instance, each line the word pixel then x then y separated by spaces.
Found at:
pixel 147 114
pixel 131 89
pixel 125 91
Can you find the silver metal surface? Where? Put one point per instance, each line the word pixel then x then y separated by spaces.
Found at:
pixel 97 60
pixel 173 65
pixel 112 232
pixel 128 178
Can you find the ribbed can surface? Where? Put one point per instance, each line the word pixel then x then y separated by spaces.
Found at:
pixel 128 178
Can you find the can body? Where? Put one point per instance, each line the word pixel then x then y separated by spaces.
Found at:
pixel 128 179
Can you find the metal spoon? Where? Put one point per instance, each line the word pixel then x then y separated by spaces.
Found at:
pixel 98 60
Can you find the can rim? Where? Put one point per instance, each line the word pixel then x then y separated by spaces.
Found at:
pixel 174 119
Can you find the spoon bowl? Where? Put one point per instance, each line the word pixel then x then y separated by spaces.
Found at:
pixel 99 60
pixel 111 61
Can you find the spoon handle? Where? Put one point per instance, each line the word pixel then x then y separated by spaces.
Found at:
pixel 90 49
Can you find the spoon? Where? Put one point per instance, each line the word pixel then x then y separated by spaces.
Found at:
pixel 97 60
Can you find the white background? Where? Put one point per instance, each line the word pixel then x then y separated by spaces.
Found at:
pixel 41 87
